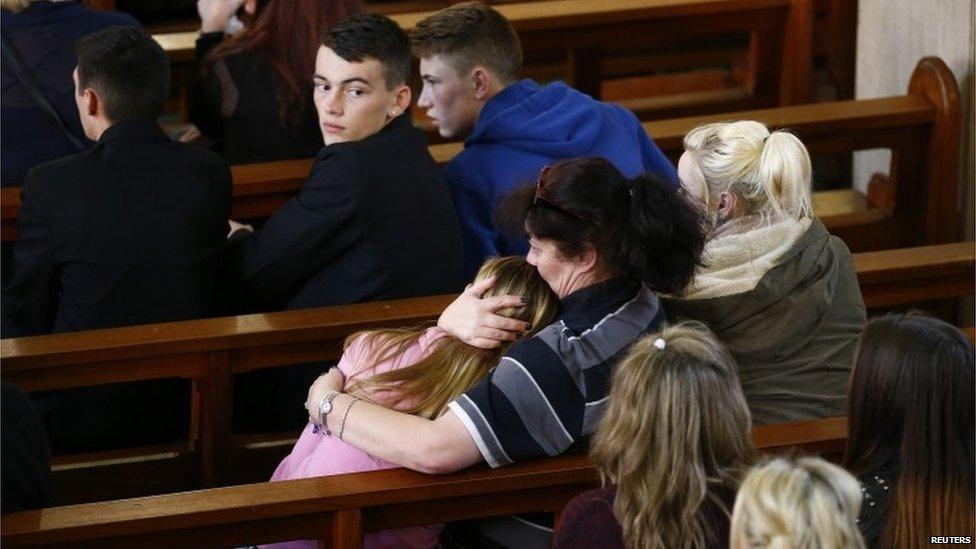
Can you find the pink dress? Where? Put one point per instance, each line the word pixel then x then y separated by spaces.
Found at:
pixel 317 455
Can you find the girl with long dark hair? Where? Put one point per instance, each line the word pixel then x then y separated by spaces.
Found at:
pixel 254 93
pixel 910 440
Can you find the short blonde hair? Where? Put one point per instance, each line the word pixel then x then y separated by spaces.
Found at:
pixel 797 503
pixel 675 438
pixel 769 171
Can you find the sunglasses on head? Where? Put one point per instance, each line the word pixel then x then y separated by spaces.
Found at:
pixel 540 200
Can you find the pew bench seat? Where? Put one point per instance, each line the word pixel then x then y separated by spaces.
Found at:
pixel 210 352
pixel 340 509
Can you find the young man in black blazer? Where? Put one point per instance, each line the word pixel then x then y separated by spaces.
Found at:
pixel 374 220
pixel 128 232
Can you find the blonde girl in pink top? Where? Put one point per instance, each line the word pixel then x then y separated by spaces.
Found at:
pixel 418 371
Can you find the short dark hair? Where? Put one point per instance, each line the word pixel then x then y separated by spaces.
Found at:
pixel 128 69
pixel 373 35
pixel 471 34
pixel 641 226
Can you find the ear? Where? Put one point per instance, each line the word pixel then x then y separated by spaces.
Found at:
pixel 92 102
pixel 401 100
pixel 728 204
pixel 481 79
pixel 587 259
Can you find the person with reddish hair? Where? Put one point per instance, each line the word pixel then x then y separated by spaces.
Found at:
pixel 911 420
pixel 254 92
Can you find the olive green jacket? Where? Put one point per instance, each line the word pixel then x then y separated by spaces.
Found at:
pixel 793 335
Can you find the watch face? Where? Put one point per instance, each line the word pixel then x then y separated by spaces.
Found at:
pixel 326 407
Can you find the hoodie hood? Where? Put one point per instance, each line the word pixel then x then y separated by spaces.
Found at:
pixel 553 120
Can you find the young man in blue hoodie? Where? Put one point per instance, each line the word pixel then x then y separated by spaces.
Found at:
pixel 470 58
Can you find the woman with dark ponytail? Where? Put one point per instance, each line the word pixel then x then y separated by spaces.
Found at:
pixel 638 229
pixel 605 245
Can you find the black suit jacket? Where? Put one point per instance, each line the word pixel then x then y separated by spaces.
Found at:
pixel 127 233
pixel 374 221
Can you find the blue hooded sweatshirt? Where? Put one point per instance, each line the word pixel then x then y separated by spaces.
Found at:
pixel 524 128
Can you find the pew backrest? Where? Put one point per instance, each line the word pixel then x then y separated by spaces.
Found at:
pixel 919 205
pixel 341 509
pixel 210 352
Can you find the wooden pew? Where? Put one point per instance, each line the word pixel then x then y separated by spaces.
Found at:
pixel 917 206
pixel 587 41
pixel 341 509
pixel 210 352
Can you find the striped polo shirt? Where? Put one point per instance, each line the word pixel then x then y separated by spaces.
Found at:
pixel 549 391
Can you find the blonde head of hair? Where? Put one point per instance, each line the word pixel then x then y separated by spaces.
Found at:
pixel 15 5
pixel 453 367
pixel 676 436
pixel 769 172
pixel 797 503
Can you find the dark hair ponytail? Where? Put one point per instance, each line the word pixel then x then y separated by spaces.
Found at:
pixel 641 227
pixel 665 235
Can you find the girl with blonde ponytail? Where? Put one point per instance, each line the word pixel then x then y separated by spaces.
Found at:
pixel 671 448
pixel 775 286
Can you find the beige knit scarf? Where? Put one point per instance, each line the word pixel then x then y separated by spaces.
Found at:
pixel 741 253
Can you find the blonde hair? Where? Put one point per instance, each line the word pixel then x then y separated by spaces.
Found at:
pixel 676 434
pixel 15 5
pixel 453 367
pixel 797 503
pixel 769 172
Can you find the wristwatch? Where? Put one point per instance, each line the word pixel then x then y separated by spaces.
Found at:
pixel 325 406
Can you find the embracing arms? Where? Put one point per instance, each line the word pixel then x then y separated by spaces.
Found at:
pixel 441 445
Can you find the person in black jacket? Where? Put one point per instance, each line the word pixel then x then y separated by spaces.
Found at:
pixel 374 221
pixel 129 232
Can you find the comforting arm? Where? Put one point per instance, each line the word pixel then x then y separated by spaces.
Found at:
pixel 442 445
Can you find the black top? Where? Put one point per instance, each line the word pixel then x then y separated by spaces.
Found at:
pixel 126 233
pixel 235 101
pixel 45 34
pixel 374 221
pixel 878 491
